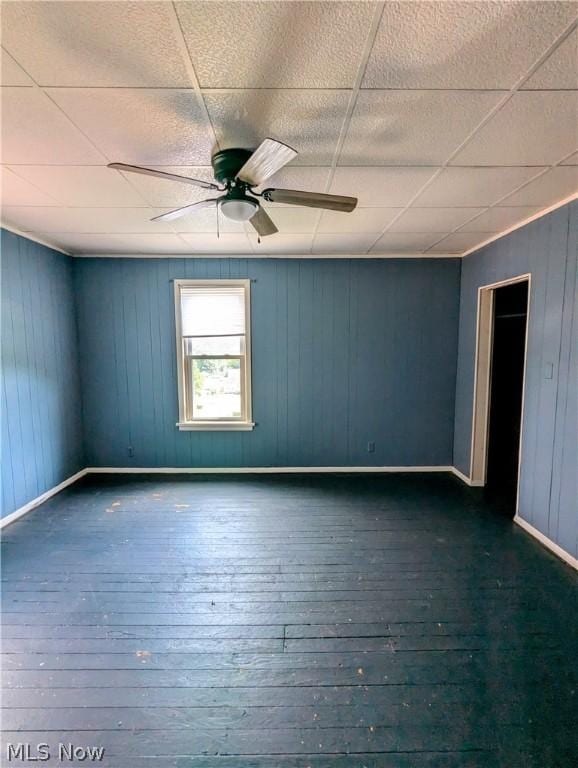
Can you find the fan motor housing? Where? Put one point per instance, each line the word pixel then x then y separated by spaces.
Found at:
pixel 228 162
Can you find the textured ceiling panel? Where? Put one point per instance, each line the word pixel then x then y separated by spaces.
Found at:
pixel 402 242
pixel 11 73
pixel 473 186
pixel 533 128
pixel 83 186
pixel 141 126
pixel 560 70
pixel 360 220
pixel 86 220
pixel 496 219
pixel 282 244
pixel 309 121
pixel 275 44
pixel 555 185
pixel 94 43
pixel 87 83
pixel 382 187
pixel 433 219
pixel 343 243
pixel 171 194
pixel 458 242
pixel 120 244
pixel 462 44
pixel 34 130
pixel 17 191
pixel 199 243
pixel 412 127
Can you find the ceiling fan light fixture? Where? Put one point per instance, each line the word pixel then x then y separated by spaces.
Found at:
pixel 239 209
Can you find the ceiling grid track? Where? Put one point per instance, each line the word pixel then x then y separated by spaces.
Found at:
pixel 507 96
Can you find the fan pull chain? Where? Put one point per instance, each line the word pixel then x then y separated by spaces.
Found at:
pixel 218 233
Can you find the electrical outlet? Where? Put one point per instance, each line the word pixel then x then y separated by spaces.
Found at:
pixel 130 451
pixel 371 447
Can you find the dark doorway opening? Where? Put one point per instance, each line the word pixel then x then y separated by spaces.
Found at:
pixel 510 314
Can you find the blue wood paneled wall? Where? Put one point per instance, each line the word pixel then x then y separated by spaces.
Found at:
pixel 41 424
pixel 344 352
pixel 549 471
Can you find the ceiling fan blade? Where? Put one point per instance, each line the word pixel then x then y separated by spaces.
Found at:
pixel 263 223
pixel 178 212
pixel 269 157
pixel 163 175
pixel 311 199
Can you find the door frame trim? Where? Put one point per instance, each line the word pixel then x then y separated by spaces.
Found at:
pixel 482 379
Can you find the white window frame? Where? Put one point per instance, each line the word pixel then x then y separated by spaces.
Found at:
pixel 244 422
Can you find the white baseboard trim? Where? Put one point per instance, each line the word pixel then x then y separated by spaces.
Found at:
pixel 464 478
pixel 257 470
pixel 546 542
pixel 41 499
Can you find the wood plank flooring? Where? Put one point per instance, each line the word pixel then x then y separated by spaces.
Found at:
pixel 287 621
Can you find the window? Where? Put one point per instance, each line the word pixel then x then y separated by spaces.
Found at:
pixel 214 354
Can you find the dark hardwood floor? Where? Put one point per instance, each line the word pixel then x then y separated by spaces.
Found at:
pixel 284 622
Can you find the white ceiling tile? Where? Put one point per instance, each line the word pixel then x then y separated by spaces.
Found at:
pixel 498 219
pixel 412 127
pixel 10 71
pixel 94 43
pixel 206 243
pixel 458 242
pixel 141 126
pixel 352 243
pixel 402 242
pixel 387 187
pixel 555 185
pixel 433 219
pixel 205 221
pixel 87 220
pixel 473 186
pixel 83 186
pixel 275 44
pixel 288 244
pixel 34 131
pixel 17 191
pixel 309 121
pixel 172 194
pixel 462 44
pixel 118 243
pixel 560 69
pixel 359 220
pixel 532 128
pixel 572 160
pixel 294 219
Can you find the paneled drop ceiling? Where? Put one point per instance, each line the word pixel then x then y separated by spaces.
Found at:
pixel 450 121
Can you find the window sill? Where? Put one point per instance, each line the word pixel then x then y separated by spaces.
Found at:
pixel 215 426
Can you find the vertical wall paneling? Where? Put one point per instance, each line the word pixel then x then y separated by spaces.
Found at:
pixel 547 247
pixel 344 352
pixel 41 403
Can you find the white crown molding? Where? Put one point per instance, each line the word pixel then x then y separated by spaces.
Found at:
pixel 305 256
pixel 521 224
pixel 33 237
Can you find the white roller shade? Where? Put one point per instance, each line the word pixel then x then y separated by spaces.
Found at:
pixel 212 310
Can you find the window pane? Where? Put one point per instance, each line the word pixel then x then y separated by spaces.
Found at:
pixel 216 389
pixel 221 345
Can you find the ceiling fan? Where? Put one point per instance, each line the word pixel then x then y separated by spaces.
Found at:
pixel 239 171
